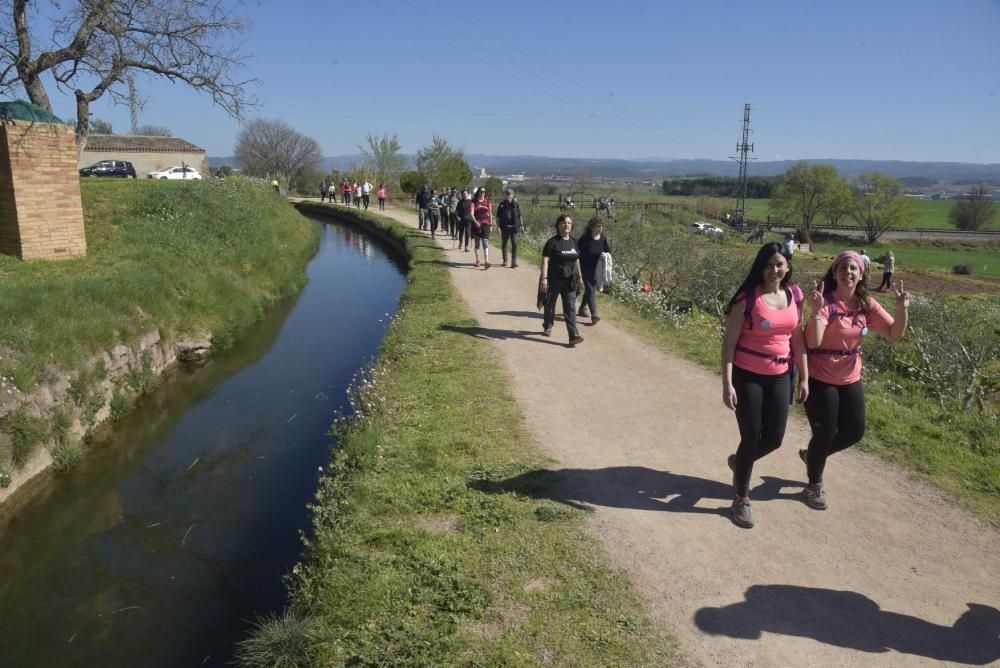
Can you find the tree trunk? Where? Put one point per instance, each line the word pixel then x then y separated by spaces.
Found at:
pixel 82 123
pixel 36 91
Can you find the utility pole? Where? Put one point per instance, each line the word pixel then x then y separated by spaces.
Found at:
pixel 742 148
pixel 133 102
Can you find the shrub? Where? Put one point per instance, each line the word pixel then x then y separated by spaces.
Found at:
pixel 962 268
pixel 278 642
pixel 26 432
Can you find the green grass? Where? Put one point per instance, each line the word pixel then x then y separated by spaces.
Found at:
pixel 432 544
pixel 983 259
pixel 182 257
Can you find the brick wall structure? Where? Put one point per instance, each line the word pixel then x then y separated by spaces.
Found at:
pixel 41 216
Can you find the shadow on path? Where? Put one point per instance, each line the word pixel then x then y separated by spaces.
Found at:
pixel 852 620
pixel 501 334
pixel 635 487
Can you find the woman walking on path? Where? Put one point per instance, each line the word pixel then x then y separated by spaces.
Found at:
pixel 763 334
pixel 888 266
pixel 592 245
pixel 842 313
pixel 381 197
pixel 463 210
pixel 482 211
pixel 561 275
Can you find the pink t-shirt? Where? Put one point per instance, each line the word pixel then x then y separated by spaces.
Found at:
pixel 381 193
pixel 770 335
pixel 844 333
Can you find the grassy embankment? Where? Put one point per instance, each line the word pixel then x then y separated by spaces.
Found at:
pixel 183 258
pixel 418 559
pixel 955 448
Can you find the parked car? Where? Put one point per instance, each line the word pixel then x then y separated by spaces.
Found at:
pixel 177 172
pixel 121 169
pixel 698 227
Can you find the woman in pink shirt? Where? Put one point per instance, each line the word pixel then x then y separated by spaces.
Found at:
pixel 381 196
pixel 763 334
pixel 842 313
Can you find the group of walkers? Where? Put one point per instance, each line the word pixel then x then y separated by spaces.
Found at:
pixel 765 347
pixel 357 191
pixel 468 218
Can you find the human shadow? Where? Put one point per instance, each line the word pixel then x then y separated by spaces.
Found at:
pixel 522 314
pixel 852 620
pixel 635 487
pixel 501 334
pixel 444 263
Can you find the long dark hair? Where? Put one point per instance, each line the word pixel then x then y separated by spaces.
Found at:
pixel 756 274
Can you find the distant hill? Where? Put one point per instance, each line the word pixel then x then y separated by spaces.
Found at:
pixel 537 166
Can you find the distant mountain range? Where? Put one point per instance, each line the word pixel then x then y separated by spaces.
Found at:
pixel 538 166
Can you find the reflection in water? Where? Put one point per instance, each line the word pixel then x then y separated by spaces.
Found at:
pixel 177 527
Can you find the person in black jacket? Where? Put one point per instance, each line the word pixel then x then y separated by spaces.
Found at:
pixel 592 244
pixel 561 276
pixel 463 210
pixel 423 207
pixel 510 223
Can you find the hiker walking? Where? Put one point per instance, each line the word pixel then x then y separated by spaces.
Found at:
pixel 841 314
pixel 763 335
pixel 888 266
pixel 366 193
pixel 423 204
pixel 482 212
pixel 381 196
pixel 592 244
pixel 561 277
pixel 434 211
pixel 463 210
pixel 510 223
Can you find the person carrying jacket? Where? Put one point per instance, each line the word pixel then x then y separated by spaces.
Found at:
pixel 510 223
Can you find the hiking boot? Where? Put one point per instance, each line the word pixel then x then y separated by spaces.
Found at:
pixel 486 265
pixel 547 331
pixel 742 513
pixel 582 312
pixel 814 496
pixel 596 319
pixel 513 265
pixel 573 340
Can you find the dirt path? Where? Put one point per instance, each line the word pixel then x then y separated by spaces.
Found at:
pixel 890 575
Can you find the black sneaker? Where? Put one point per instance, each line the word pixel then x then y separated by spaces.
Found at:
pixel 573 340
pixel 742 513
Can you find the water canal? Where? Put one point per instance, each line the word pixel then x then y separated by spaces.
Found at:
pixel 177 527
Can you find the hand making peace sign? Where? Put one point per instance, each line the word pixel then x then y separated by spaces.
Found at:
pixel 816 297
pixel 902 296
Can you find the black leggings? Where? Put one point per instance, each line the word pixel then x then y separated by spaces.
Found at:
pixel 761 412
pixel 886 280
pixel 837 417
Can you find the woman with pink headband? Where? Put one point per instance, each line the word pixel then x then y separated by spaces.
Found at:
pixel 842 313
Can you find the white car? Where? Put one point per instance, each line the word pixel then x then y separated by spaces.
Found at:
pixel 177 172
pixel 698 227
pixel 711 230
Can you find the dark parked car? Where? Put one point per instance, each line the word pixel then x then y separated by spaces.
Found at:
pixel 123 169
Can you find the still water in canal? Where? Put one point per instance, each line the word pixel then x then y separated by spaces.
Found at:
pixel 176 528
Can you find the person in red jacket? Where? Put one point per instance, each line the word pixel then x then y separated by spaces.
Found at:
pixel 482 212
pixel 842 314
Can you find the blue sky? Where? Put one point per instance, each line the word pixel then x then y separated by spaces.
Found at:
pixel 876 79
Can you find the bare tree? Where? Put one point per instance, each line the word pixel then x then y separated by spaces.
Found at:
pixel 271 148
pixel 93 45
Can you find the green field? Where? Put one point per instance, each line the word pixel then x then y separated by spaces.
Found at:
pixel 983 261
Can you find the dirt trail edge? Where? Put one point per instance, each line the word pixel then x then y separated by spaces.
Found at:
pixel 891 575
